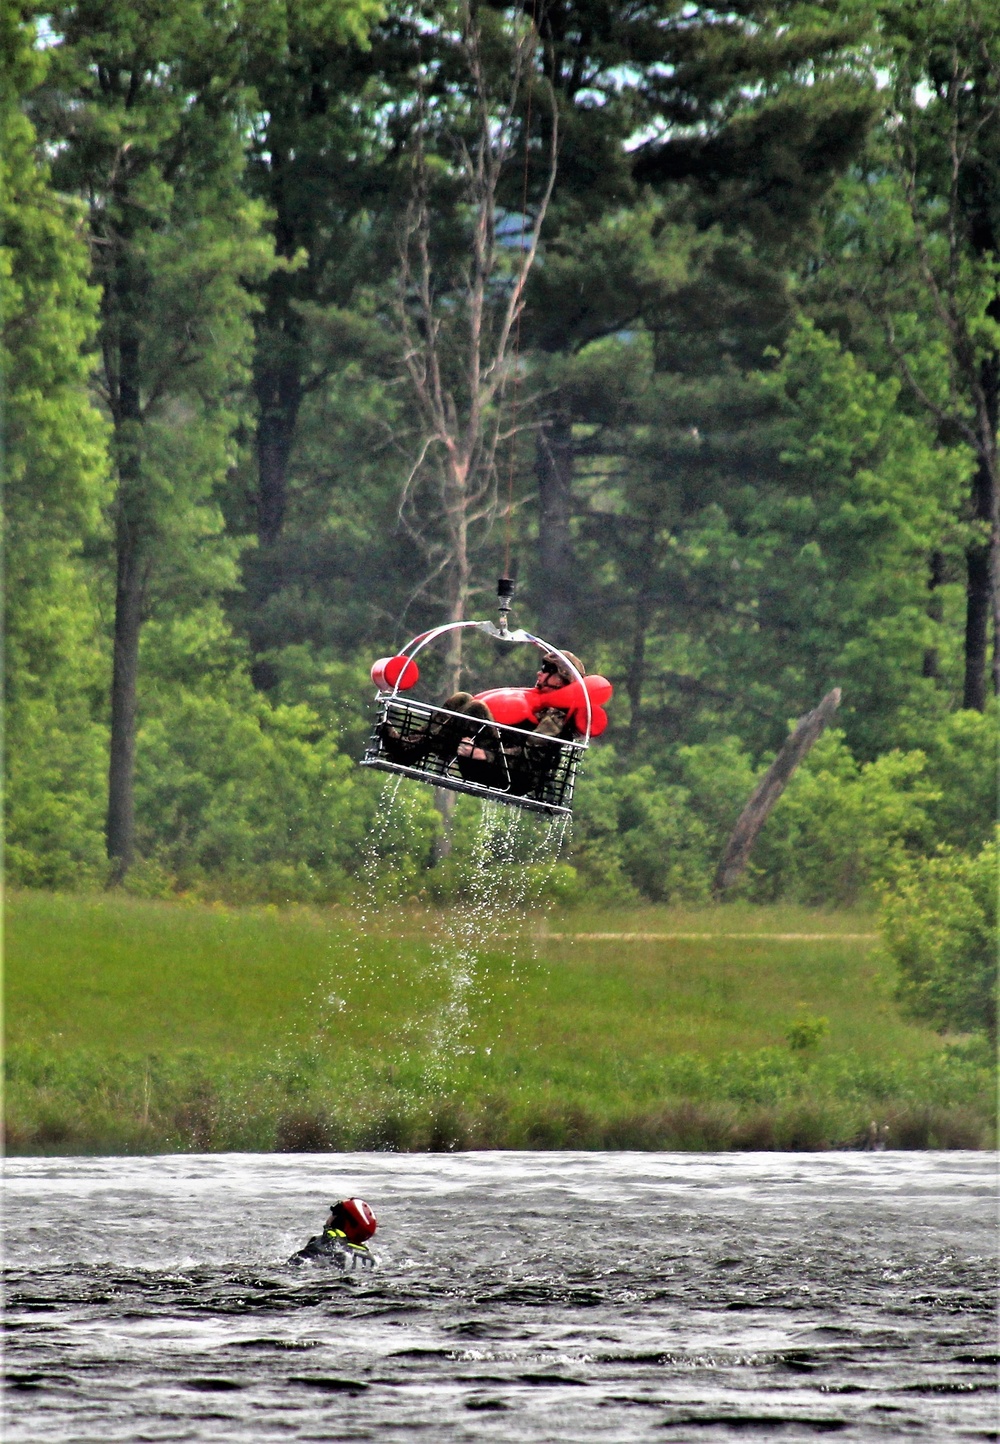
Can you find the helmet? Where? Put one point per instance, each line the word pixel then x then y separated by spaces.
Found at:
pixel 356 1219
pixel 557 661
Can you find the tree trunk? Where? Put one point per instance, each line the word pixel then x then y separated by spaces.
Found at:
pixel 279 396
pixel 556 590
pixel 769 789
pixel 278 390
pixel 444 799
pixel 130 586
pixel 977 616
pixel 935 611
pixel 129 598
pixel 991 467
pixel 459 578
pixel 983 560
pixel 637 670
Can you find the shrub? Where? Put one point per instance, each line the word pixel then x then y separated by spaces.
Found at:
pixel 805 1033
pixel 939 926
pixel 961 754
pixel 843 827
pixel 258 799
pixel 640 833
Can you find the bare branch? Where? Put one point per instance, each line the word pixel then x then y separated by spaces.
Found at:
pixel 456 331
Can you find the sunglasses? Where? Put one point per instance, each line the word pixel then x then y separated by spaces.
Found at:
pixel 550 669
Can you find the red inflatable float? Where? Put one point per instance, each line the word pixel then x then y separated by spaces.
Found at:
pixel 513 706
pixel 389 672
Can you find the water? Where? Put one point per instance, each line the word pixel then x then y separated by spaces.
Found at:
pixel 511 856
pixel 521 1297
pixel 507 867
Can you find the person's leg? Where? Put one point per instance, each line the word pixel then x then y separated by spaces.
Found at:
pixel 446 737
pixel 476 748
pixel 463 702
pixel 538 759
pixel 447 734
pixel 441 735
pixel 409 746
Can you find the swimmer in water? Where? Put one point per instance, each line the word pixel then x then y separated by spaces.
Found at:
pixel 343 1240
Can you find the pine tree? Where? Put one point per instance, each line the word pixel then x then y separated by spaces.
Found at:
pixel 144 100
pixel 912 249
pixel 739 122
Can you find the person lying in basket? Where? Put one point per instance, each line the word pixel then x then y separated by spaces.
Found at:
pixel 477 749
pixel 343 1240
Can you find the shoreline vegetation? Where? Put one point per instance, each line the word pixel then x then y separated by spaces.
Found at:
pixel 137 1026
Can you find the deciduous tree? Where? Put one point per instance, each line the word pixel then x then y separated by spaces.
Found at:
pixel 461 290
pixel 55 483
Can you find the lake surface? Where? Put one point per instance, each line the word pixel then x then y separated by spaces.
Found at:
pixel 521 1297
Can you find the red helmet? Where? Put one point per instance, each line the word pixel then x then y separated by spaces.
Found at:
pixel 356 1219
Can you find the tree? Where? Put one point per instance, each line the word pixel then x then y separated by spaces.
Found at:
pixel 738 121
pixel 913 245
pixel 56 481
pixel 144 102
pixel 321 156
pixel 308 87
pixel 458 302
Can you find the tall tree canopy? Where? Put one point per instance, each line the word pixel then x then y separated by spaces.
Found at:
pixel 55 485
pixel 145 100
pixel 912 247
pixel 262 257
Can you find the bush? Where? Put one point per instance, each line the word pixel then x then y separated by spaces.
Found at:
pixel 803 1034
pixel 939 926
pixel 842 827
pixel 638 833
pixel 55 796
pixel 961 754
pixel 257 801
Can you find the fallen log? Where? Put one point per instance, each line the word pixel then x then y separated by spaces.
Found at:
pixel 769 789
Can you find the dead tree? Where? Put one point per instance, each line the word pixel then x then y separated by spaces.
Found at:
pixel 769 789
pixel 458 331
pixel 457 326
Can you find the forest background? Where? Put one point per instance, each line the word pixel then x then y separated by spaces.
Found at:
pixel 740 444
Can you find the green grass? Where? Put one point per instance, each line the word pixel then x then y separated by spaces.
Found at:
pixel 135 1025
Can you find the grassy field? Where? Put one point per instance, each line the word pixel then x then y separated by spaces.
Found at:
pixel 149 1026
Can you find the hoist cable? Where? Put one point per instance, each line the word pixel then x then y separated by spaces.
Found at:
pixel 517 332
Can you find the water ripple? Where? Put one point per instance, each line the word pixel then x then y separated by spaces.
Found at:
pixel 527 1297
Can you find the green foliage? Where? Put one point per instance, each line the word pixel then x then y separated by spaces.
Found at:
pixel 245 799
pixel 154 148
pixel 804 1033
pixel 56 480
pixel 755 500
pixel 939 926
pixel 908 270
pixel 827 560
pixel 963 752
pixel 54 802
pixel 638 834
pixel 842 827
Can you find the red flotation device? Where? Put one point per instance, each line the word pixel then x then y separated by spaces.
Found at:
pixel 513 706
pixel 389 672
